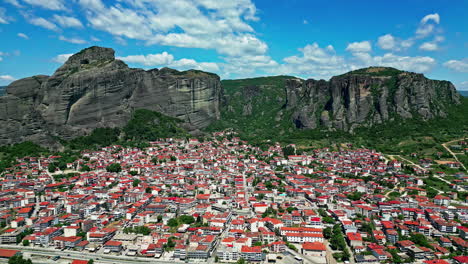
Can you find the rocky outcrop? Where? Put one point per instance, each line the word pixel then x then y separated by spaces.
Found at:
pixel 93 89
pixel 367 97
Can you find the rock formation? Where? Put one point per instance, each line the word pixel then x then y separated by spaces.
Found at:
pixel 93 89
pixel 367 97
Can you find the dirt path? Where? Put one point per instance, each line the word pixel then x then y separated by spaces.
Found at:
pixel 454 155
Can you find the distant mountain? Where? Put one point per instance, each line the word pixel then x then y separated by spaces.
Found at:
pixel 362 98
pixel 464 93
pixel 2 90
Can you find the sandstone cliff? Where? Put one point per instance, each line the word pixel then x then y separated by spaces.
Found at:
pixel 93 89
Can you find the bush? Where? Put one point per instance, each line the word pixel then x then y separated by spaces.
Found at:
pixel 114 167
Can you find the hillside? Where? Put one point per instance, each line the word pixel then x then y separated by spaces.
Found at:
pixel 404 109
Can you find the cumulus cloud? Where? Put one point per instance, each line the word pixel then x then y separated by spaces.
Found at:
pixel 68 22
pixel 429 46
pixel 407 63
pixel 73 40
pixel 457 65
pixel 315 62
pixel 386 42
pixel 22 35
pixel 61 58
pixel 427 25
pixel 42 22
pixel 359 47
pixel 48 4
pixel 7 78
pixel 165 59
pixel 207 24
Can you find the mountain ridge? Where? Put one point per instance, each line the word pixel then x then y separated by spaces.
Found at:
pixel 93 89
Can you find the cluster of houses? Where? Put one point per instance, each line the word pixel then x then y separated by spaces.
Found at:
pixel 223 198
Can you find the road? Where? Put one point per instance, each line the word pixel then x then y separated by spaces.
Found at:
pixel 454 154
pixel 101 258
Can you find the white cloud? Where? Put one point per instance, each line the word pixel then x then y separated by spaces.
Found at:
pixel 95 39
pixel 150 59
pixel 62 58
pixel 434 17
pixel 429 46
pixel 305 22
pixel 387 42
pixel 407 63
pixel 314 62
pixel 41 22
pixel 7 78
pixel 68 22
pixel 13 2
pixel 73 40
pixel 426 27
pixel 3 17
pixel 463 86
pixel 22 35
pixel 457 65
pixel 206 24
pixel 167 60
pixel 48 4
pixel 358 47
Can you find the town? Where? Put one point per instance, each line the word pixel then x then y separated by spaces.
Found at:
pixel 221 200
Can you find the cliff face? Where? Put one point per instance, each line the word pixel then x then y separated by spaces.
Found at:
pixel 93 89
pixel 367 97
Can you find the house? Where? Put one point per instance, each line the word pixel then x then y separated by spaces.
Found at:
pixel 316 249
pixel 442 200
pixel 8 253
pixel 113 246
pixel 252 253
pixel 278 246
pixel 66 242
pixel 460 259
pixel 354 239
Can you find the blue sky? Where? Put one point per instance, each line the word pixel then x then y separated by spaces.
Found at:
pixel 240 38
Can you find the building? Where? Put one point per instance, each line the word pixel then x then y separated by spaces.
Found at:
pixel 316 249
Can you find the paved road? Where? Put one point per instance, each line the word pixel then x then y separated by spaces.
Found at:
pixel 86 256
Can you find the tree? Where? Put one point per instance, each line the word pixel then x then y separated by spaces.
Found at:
pixel 91 261
pixel 114 167
pixel 26 243
pixel 85 168
pixel 18 259
pixel 327 232
pixel 241 261
pixel 136 182
pixel 51 167
pixel 148 190
pixel 187 219
pixel 172 222
pixel 288 150
pixel 133 173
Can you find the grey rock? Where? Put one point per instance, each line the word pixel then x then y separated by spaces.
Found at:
pixel 352 100
pixel 93 89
